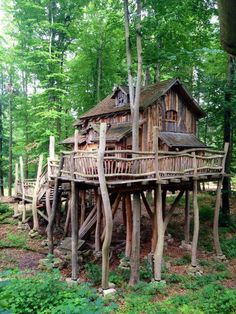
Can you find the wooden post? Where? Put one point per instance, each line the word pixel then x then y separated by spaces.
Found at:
pixel 106 206
pixel 68 212
pixel 52 148
pixel 187 217
pixel 172 209
pixel 154 225
pixel 74 223
pixel 54 207
pixel 98 224
pixel 76 140
pixel 83 207
pixel 161 231
pixel 135 252
pixel 16 177
pixel 128 208
pixel 22 177
pixel 195 215
pixel 35 195
pixel 216 219
pixel 48 200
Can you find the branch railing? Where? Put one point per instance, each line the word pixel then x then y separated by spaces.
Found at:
pixel 128 164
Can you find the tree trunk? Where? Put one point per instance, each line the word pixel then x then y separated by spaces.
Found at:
pixel 134 106
pixel 1 141
pixel 228 138
pixel 10 143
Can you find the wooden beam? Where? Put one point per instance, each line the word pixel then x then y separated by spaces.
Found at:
pixel 106 206
pixel 35 194
pixel 148 208
pixel 172 209
pixel 54 207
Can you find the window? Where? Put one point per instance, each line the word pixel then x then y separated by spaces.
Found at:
pixel 171 116
pixel 121 99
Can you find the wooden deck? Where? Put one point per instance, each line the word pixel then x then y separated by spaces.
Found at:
pixel 127 167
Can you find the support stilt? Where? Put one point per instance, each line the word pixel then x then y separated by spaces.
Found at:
pixel 196 225
pixel 135 251
pixel 98 224
pixel 106 206
pixel 187 217
pixel 74 229
pixel 161 231
pixel 128 206
pixel 216 219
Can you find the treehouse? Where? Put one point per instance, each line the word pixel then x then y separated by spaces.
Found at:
pixel 100 162
pixel 167 105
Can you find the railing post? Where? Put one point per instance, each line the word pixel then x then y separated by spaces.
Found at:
pixel 194 164
pixel 156 133
pixel 76 140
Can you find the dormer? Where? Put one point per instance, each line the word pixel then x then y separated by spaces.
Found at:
pixel 121 95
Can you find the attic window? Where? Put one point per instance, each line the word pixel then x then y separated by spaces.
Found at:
pixel 171 116
pixel 121 99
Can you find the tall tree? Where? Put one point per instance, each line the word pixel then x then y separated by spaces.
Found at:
pixel 134 98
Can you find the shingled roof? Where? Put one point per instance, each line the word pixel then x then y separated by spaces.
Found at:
pixel 149 94
pixel 176 140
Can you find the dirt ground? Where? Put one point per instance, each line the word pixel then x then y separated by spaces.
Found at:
pixel 26 254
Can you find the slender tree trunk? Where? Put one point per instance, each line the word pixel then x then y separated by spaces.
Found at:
pixel 10 140
pixel 134 105
pixel 228 138
pixel 99 73
pixel 1 141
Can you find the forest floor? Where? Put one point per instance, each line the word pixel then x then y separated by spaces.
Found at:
pixel 20 255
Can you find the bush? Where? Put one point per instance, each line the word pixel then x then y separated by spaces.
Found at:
pixel 45 293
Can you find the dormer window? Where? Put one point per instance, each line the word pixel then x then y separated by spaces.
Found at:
pixel 171 116
pixel 121 99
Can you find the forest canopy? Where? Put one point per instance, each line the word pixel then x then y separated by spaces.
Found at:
pixel 58 58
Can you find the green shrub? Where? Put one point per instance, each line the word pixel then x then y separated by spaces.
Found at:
pixel 45 293
pixel 18 240
pixel 229 247
pixel 94 273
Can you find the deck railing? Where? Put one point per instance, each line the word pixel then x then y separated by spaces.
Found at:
pixel 127 164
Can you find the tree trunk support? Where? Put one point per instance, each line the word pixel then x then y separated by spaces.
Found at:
pixel 106 205
pixel 187 217
pixel 216 219
pixel 161 231
pixel 74 229
pixel 128 225
pixel 195 215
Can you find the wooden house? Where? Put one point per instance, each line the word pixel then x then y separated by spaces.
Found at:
pixel 167 105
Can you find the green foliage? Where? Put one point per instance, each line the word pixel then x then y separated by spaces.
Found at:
pixel 94 273
pixel 18 240
pixel 46 293
pixel 212 299
pixel 5 212
pixel 229 247
pixel 185 260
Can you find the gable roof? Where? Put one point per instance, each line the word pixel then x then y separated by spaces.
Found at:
pixel 149 94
